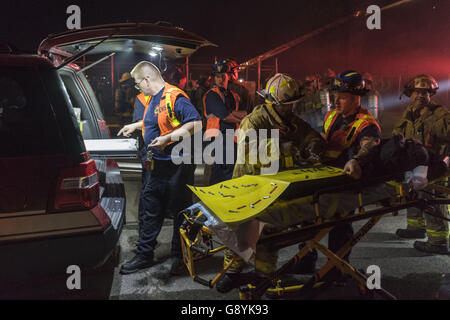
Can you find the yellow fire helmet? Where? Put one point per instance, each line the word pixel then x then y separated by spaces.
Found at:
pixel 125 76
pixel 422 81
pixel 281 89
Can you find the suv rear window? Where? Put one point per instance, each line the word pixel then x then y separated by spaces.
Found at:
pixel 27 122
pixel 92 96
pixel 86 119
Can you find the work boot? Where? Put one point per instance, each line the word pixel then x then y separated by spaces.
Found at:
pixel 228 282
pixel 138 262
pixel 427 247
pixel 306 265
pixel 232 281
pixel 411 233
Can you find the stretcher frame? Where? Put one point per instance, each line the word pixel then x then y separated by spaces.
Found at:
pixel 311 235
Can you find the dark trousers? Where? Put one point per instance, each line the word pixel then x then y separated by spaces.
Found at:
pixel 164 194
pixel 224 171
pixel 145 177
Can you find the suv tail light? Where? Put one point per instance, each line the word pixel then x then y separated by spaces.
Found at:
pixel 78 187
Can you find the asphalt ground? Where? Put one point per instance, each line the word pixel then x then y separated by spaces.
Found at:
pixel 405 272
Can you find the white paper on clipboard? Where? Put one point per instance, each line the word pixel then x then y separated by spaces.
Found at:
pixel 113 148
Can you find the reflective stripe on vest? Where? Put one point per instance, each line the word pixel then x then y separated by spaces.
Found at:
pixel 170 111
pixel 342 139
pixel 145 100
pixel 329 118
pixel 213 122
pixel 167 120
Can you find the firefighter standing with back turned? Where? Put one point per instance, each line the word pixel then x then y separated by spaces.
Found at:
pixel 169 116
pixel 429 123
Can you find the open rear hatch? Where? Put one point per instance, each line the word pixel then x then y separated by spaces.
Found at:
pixel 158 41
pixel 145 38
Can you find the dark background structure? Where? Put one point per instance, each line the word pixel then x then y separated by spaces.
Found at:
pixel 414 36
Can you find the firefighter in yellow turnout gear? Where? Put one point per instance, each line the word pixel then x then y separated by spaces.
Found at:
pixel 297 140
pixel 429 123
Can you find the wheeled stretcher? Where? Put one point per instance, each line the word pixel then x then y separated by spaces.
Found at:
pixel 231 214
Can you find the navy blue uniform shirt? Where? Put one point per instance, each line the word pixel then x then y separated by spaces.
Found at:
pixel 184 111
pixel 215 105
pixel 139 109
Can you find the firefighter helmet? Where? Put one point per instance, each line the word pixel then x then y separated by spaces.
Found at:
pixel 350 81
pixel 281 89
pixel 233 69
pixel 125 77
pixel 221 66
pixel 422 81
pixel 233 64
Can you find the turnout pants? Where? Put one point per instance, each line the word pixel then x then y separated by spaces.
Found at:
pixel 437 229
pixel 165 194
pixel 144 178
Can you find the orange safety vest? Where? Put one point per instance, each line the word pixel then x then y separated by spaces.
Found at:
pixel 167 121
pixel 145 100
pixel 342 139
pixel 213 122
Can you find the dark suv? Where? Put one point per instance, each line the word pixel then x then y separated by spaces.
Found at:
pixel 58 206
pixel 61 205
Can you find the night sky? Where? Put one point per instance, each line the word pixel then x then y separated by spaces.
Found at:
pixel 414 37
